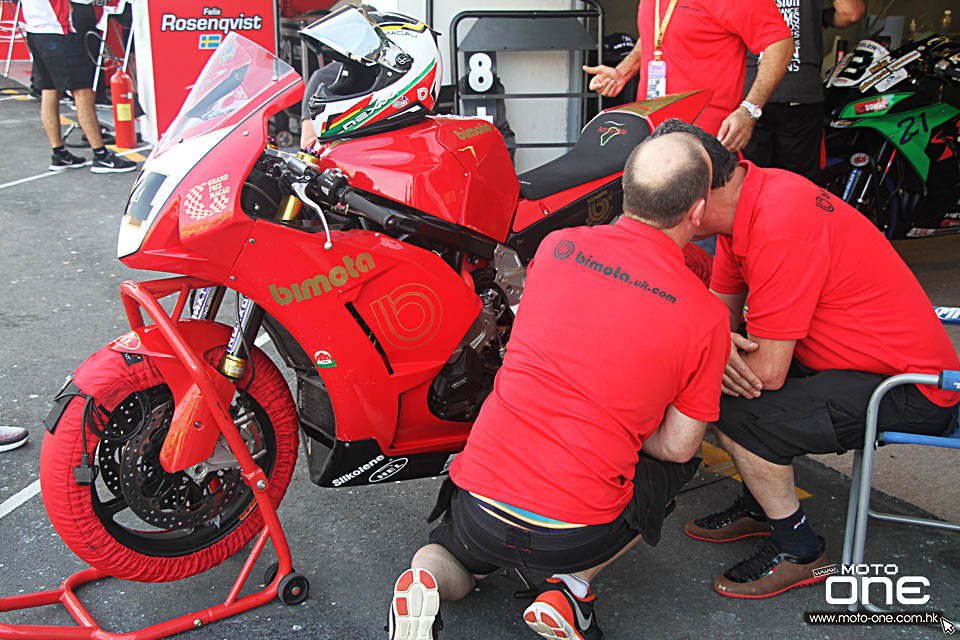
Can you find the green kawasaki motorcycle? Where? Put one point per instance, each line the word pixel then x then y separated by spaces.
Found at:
pixel 892 139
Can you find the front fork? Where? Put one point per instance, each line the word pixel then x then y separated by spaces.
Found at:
pixel 207 302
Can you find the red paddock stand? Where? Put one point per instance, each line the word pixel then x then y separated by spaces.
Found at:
pixel 291 587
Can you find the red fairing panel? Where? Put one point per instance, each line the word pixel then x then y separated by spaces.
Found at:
pixel 416 306
pixel 457 169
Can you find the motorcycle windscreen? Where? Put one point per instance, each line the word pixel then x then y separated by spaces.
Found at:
pixel 235 74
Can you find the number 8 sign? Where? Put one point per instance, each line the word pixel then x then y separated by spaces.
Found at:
pixel 409 316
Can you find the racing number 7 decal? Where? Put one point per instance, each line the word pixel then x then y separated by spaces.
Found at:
pixel 909 131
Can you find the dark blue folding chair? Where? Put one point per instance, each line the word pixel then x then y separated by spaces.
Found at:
pixel 858 507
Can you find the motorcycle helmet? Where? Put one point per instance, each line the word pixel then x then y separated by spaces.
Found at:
pixel 386 72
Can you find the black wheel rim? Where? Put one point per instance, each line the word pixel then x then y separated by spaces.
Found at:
pixel 145 536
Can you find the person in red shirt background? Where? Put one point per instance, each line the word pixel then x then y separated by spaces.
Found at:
pixel 832 310
pixel 703 44
pixel 611 373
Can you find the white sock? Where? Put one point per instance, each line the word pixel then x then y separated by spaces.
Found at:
pixel 577 586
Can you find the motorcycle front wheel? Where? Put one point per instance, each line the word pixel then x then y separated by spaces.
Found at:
pixel 136 521
pixel 880 205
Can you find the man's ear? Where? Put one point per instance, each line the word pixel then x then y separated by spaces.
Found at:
pixel 696 213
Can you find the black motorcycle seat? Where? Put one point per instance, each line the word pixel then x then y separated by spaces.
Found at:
pixel 602 150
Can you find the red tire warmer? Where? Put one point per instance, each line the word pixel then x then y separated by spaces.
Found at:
pixel 145 295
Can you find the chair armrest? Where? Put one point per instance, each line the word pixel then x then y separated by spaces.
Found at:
pixel 950 380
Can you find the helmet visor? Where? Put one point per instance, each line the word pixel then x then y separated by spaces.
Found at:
pixel 349 33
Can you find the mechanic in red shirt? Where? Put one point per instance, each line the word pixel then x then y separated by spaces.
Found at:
pixel 612 371
pixel 832 310
pixel 702 44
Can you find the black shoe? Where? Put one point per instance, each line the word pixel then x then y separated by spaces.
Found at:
pixel 733 523
pixel 112 163
pixel 557 613
pixel 65 160
pixel 770 571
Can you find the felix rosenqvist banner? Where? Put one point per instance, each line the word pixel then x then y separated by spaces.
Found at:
pixel 175 39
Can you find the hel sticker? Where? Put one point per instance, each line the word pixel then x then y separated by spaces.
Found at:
pixel 859 159
pixel 207 198
pixel 401 103
pixel 130 341
pixel 388 470
pixel 324 360
pixel 871 106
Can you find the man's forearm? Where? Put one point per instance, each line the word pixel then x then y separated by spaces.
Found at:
pixel 772 67
pixel 630 66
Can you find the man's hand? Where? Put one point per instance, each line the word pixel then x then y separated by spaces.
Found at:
pixel 736 129
pixel 606 81
pixel 738 378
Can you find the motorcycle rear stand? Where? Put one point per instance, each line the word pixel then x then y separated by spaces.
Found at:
pixel 145 295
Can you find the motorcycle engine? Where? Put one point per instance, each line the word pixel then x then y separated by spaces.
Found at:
pixel 465 381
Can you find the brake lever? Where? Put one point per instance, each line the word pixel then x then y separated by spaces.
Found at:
pixel 300 189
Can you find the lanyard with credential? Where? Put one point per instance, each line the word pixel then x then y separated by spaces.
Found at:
pixel 658 30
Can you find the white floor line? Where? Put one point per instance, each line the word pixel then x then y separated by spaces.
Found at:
pixel 56 173
pixel 262 339
pixel 19 498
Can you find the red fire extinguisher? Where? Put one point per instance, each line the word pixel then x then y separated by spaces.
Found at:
pixel 121 91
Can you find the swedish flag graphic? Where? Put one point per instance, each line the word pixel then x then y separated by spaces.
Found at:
pixel 210 40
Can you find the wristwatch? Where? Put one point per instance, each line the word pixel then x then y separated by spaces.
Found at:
pixel 754 110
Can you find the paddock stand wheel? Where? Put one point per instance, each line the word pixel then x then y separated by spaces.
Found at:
pixel 293 589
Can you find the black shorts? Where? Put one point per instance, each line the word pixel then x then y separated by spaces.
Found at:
pixel 825 412
pixel 483 543
pixel 60 61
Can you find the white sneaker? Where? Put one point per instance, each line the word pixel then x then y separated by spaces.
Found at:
pixel 12 437
pixel 415 610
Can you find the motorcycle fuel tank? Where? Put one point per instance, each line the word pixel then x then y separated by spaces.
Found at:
pixel 457 169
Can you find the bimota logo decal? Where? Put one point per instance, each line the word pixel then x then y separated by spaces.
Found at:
pixel 599 207
pixel 610 130
pixel 409 316
pixel 564 249
pixel 823 201
pixel 389 470
pixel 320 283
pixel 324 360
pixel 472 132
pixel 212 20
pixel 347 477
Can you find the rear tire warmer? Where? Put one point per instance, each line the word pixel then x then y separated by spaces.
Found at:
pixel 70 506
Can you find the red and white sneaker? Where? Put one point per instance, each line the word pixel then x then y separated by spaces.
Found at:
pixel 558 614
pixel 415 610
pixel 12 437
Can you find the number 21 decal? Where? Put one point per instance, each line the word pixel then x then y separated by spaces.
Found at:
pixel 909 130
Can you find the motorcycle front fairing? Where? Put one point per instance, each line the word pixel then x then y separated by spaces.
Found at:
pixel 388 313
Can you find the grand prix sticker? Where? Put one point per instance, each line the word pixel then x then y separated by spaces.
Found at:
pixel 208 198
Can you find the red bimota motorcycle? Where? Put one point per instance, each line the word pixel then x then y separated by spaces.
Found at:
pixel 386 266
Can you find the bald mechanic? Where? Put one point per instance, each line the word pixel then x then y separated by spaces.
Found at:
pixel 831 311
pixel 702 44
pixel 612 371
